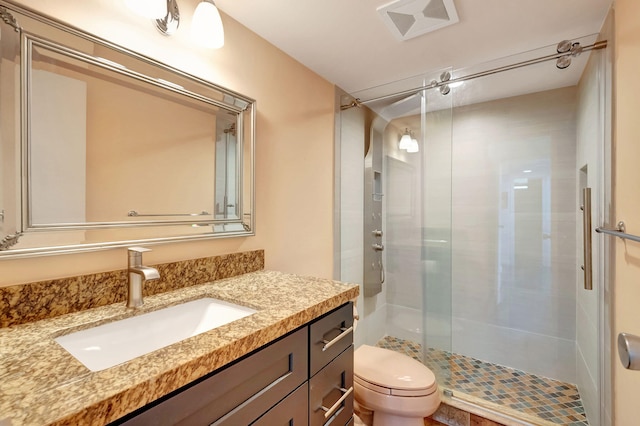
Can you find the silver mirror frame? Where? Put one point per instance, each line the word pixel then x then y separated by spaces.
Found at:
pixel 9 247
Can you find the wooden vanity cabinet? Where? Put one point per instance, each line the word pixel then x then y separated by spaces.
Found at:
pixel 304 378
pixel 291 411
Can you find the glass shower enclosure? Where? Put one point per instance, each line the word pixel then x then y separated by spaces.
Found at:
pixel 483 232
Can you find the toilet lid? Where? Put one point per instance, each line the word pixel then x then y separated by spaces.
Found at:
pixel 386 371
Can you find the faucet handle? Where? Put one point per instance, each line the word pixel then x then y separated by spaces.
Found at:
pixel 135 255
pixel 138 249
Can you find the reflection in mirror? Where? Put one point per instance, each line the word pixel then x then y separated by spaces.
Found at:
pixel 226 154
pixel 113 147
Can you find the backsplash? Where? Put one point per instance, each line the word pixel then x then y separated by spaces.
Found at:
pixel 24 303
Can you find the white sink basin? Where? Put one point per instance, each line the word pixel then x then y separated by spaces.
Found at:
pixel 113 343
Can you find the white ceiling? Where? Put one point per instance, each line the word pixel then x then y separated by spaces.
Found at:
pixel 347 42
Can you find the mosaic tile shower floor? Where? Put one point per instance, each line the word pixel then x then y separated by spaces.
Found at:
pixel 547 399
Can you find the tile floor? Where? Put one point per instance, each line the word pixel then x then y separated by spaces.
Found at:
pixel 551 400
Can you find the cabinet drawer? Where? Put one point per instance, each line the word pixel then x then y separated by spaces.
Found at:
pixel 332 388
pixel 329 336
pixel 291 411
pixel 238 394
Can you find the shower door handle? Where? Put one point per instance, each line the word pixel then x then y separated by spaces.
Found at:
pixel 586 238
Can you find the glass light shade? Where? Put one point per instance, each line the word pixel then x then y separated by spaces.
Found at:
pixel 151 9
pixel 206 27
pixel 413 146
pixel 405 141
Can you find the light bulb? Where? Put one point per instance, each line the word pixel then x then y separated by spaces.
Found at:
pixel 151 9
pixel 206 27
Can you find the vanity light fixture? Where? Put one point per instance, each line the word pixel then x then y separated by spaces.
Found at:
pixel 408 142
pixel 169 24
pixel 413 146
pixel 405 140
pixel 206 26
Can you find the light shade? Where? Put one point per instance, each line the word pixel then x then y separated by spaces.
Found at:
pixel 151 9
pixel 413 146
pixel 206 27
pixel 405 140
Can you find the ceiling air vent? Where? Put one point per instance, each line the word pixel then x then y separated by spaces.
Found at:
pixel 410 18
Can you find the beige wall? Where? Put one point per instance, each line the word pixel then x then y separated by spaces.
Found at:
pixel 294 166
pixel 626 286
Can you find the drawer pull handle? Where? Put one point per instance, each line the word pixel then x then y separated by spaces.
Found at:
pixel 328 412
pixel 328 344
pixel 253 397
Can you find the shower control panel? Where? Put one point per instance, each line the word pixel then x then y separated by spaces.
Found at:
pixel 373 276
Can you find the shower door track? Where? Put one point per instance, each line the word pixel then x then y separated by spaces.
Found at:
pixel 446 81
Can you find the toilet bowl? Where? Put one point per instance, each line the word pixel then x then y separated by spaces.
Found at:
pixel 392 389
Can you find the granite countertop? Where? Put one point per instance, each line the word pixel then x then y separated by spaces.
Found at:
pixel 41 383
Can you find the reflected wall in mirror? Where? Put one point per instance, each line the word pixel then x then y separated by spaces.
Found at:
pixel 102 147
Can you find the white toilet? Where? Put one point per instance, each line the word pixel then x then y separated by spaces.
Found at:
pixel 392 389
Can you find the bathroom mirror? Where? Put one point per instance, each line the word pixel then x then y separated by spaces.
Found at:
pixel 102 147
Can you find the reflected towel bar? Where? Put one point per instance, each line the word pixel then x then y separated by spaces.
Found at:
pixel 133 213
pixel 620 231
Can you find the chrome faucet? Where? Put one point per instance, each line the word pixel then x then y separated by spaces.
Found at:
pixel 138 275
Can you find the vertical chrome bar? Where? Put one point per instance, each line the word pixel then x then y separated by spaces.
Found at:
pixel 586 238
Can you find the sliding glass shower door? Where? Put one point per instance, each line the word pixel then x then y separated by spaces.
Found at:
pixel 482 229
pixel 416 134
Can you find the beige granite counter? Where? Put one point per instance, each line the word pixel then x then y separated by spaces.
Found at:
pixel 41 383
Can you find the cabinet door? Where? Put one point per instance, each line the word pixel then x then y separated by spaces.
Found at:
pixel 329 336
pixel 239 394
pixel 291 411
pixel 331 392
